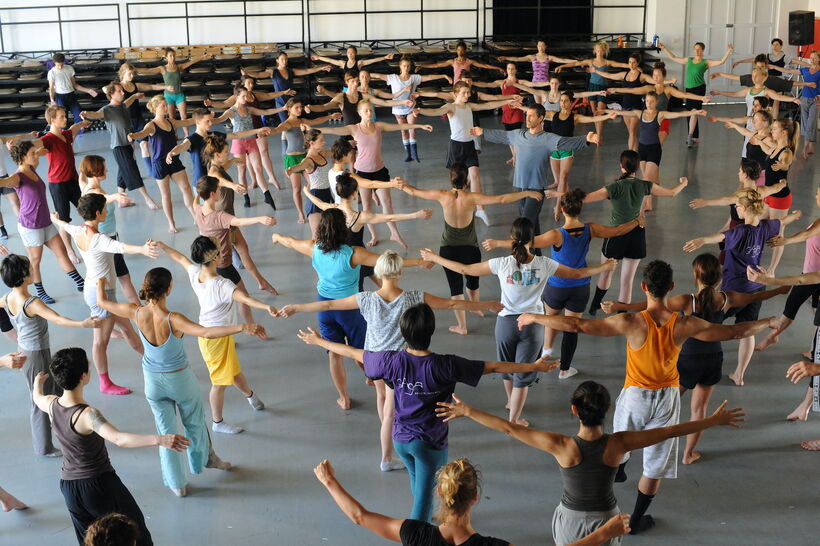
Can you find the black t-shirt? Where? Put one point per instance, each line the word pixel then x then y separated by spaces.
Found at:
pixel 420 533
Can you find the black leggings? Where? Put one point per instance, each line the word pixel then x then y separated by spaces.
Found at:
pixel 569 342
pixel 797 296
pixel 464 255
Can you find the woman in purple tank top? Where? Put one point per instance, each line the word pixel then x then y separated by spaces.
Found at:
pixel 540 65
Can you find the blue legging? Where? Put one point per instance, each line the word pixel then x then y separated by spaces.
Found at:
pixel 422 461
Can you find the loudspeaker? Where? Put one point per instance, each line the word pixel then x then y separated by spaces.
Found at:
pixel 801 28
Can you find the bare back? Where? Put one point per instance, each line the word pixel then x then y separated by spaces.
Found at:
pixel 458 207
pixel 154 324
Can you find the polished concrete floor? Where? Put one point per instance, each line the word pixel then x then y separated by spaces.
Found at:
pixel 753 485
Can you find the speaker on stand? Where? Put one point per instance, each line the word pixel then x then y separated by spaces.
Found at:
pixel 801 28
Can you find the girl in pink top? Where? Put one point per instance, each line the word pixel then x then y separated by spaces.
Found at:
pixel 540 65
pixel 369 163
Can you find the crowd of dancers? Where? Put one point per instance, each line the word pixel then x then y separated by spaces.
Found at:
pixel 673 342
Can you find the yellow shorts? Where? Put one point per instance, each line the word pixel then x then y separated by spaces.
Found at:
pixel 221 358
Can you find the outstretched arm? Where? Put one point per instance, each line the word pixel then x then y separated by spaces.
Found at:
pixel 301 246
pixel 706 331
pixel 762 277
pixel 672 57
pixel 310 337
pixel 617 325
pixel 713 63
pixel 92 419
pixel 476 270
pixel 660 191
pixel 694 244
pixel 176 255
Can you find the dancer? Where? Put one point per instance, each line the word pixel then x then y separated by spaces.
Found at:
pixel 696 67
pixel 171 74
pixel 808 102
pixel 551 99
pixel 627 196
pixel 348 99
pixel 62 86
pixel 540 64
pixel 216 295
pixel 589 460
pixel 405 116
pixel 11 195
pixel 162 137
pixel 757 124
pixel 462 150
pixel 352 61
pixel 316 165
pixel 34 223
pixel 30 317
pixel 170 385
pixel 650 398
pixel 459 242
pixel 425 378
pixel 369 163
pixel 523 277
pixel 777 57
pixel 98 250
pixel 382 310
pixel 744 247
pixel 90 485
pixel 459 63
pixel 254 98
pixel 62 175
pixel 533 148
pixel 700 363
pixel 213 220
pixel 118 123
pixel 596 81
pixel 337 265
pixel 570 245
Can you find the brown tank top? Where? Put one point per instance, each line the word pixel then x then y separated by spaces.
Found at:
pixel 84 456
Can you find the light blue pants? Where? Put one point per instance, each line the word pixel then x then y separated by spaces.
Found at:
pixel 422 461
pixel 167 392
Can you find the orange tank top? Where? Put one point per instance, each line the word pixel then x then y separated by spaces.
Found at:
pixel 655 365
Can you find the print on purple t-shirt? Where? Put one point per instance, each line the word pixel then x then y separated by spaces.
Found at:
pixel 419 382
pixel 744 247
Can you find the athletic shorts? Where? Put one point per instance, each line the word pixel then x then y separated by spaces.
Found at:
pixel 324 194
pixel 650 152
pixel 462 152
pixel 572 298
pixel 64 194
pixel 90 297
pixel 747 313
pixel 562 154
pixel 596 87
pixel 700 369
pixel 160 169
pixel 230 273
pixel 467 255
pixel 244 146
pixel 342 326
pixel 798 295
pixel 36 237
pixel 128 175
pixel 695 104
pixel 513 126
pixel 569 525
pixel 174 98
pixel 644 409
pixel 291 160
pixel 382 175
pixel 779 203
pixel 631 245
pixel 665 126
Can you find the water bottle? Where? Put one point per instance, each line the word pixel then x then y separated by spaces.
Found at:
pixel 620 41
pixel 655 41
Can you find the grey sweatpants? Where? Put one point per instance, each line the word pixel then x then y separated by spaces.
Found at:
pixel 514 345
pixel 808 118
pixel 571 525
pixel 37 362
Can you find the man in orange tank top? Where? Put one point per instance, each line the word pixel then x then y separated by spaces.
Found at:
pixel 650 398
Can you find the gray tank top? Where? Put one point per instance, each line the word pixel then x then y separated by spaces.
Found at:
pixel 84 455
pixel 241 123
pixel 588 485
pixel 32 332
pixel 296 140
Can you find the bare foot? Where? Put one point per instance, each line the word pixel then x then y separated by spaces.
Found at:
pixel 300 220
pixel 813 445
pixel 151 204
pixel 398 239
pixel 267 287
pixel 172 228
pixel 479 313
pixel 799 414
pixel 553 185
pixel 557 213
pixel 770 339
pixel 117 334
pixel 458 330
pixel 9 502
pixel 373 242
pixel 273 182
pixel 691 458
pixel 737 381
pixel 522 422
pixel 343 402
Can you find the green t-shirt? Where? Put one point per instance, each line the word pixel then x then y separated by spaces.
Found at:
pixel 695 72
pixel 627 195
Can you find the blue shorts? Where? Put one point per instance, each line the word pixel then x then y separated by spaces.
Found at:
pixel 90 297
pixel 342 326
pixel 174 98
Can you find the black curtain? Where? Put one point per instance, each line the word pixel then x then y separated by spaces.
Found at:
pixel 541 17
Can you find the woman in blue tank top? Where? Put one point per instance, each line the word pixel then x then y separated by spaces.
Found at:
pixel 337 264
pixel 170 384
pixel 570 245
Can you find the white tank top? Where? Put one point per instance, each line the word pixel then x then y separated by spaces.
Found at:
pixel 319 178
pixel 460 124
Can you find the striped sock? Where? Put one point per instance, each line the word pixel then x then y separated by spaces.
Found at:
pixel 77 278
pixel 41 293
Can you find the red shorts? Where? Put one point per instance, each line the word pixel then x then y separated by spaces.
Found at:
pixel 779 203
pixel 664 128
pixel 242 147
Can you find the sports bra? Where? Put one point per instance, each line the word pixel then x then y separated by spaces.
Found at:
pixel 648 130
pixel 774 177
pixel 630 101
pixel 694 346
pixel 563 127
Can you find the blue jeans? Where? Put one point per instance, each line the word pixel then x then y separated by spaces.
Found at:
pixel 167 392
pixel 69 102
pixel 422 461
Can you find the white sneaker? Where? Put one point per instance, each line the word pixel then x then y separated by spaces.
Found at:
pixel 388 466
pixel 566 374
pixel 546 352
pixel 225 428
pixel 255 402
pixel 482 214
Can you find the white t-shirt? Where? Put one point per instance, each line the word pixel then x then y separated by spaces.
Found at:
pixel 215 298
pixel 397 84
pixel 99 258
pixel 62 79
pixel 522 285
pixel 331 179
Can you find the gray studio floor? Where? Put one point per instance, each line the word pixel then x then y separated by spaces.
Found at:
pixel 753 486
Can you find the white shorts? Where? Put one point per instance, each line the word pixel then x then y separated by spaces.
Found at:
pixel 643 409
pixel 36 237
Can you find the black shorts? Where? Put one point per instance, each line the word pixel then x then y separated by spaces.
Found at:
pixel 797 296
pixel 161 169
pixel 62 195
pixel 650 152
pixel 703 369
pixel 464 255
pixel 572 298
pixel 462 152
pixel 382 175
pixel 230 273
pixel 747 313
pixel 324 194
pixel 695 104
pixel 128 175
pixel 631 245
pixel 513 126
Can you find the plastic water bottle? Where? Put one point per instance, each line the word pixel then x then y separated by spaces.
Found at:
pixel 655 41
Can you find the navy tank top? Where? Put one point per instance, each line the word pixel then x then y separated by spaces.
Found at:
pixel 572 253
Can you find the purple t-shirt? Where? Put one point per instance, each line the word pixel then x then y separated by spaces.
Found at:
pixel 34 212
pixel 419 382
pixel 744 247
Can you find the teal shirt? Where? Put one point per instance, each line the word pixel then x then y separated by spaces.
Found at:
pixel 337 278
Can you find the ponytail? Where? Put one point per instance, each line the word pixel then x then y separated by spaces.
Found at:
pixel 457 485
pixel 792 129
pixel 521 234
pixel 629 163
pixel 708 272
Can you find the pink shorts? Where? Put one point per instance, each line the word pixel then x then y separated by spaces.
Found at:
pixel 242 147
